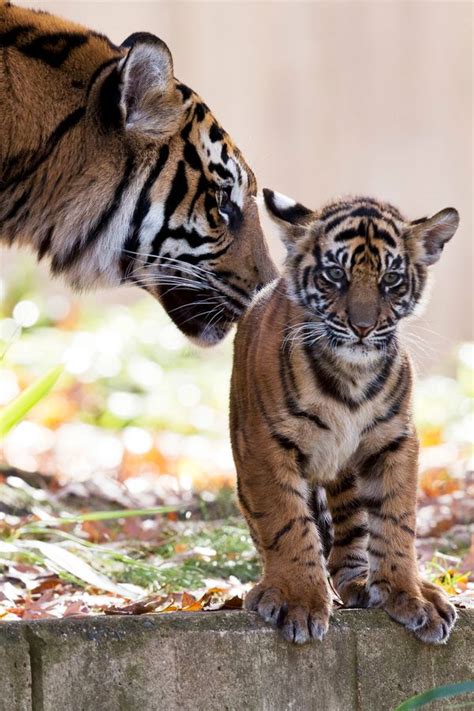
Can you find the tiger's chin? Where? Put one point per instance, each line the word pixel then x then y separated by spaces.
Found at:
pixel 197 315
pixel 210 336
pixel 358 353
pixel 205 334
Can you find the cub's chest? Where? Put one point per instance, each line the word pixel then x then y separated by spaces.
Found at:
pixel 330 450
pixel 347 413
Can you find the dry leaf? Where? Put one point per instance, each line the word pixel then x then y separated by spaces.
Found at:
pixel 10 593
pixel 233 603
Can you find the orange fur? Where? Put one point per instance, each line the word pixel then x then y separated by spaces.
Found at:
pixel 321 403
pixel 118 173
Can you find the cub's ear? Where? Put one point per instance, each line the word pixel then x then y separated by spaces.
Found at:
pixel 432 234
pixel 284 209
pixel 291 217
pixel 148 97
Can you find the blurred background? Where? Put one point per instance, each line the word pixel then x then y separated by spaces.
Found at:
pixel 324 99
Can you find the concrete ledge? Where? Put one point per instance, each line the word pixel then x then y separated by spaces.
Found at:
pixel 223 661
pixel 15 668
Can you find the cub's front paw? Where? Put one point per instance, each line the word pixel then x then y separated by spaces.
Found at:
pixel 354 593
pixel 429 615
pixel 439 630
pixel 299 618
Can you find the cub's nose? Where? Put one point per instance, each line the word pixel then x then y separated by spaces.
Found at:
pixel 362 329
pixel 363 307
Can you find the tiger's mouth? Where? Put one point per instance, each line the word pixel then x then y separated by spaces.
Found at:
pixel 203 316
pixel 347 342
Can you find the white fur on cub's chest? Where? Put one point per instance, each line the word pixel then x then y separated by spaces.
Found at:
pixel 332 449
pixel 329 450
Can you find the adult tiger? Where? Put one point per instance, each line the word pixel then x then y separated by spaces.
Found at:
pixel 119 173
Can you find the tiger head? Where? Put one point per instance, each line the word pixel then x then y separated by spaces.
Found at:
pixel 195 241
pixel 139 184
pixel 357 266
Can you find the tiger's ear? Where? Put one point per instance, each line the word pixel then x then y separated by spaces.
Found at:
pixel 290 216
pixel 148 96
pixel 432 234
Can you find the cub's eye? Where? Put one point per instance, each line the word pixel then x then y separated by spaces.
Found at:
pixel 391 278
pixel 335 273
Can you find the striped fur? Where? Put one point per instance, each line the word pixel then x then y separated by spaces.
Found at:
pixel 118 173
pixel 320 409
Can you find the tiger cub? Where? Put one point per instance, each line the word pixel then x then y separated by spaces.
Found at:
pixel 321 407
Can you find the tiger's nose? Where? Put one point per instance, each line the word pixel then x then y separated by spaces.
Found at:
pixel 363 308
pixel 362 329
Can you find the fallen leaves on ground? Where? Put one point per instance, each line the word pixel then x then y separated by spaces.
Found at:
pixel 213 599
pixel 52 598
pixel 59 563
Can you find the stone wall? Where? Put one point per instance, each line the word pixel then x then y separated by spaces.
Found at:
pixel 223 661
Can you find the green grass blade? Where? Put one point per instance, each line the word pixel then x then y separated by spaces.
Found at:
pixel 440 692
pixel 21 405
pixel 101 516
pixel 124 513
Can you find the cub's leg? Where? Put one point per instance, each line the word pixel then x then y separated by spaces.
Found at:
pixel 293 593
pixel 388 485
pixel 348 560
pixel 318 504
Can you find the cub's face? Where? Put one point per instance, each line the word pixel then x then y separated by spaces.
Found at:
pixel 358 266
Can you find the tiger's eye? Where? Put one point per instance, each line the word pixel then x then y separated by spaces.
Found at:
pixel 391 278
pixel 335 273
